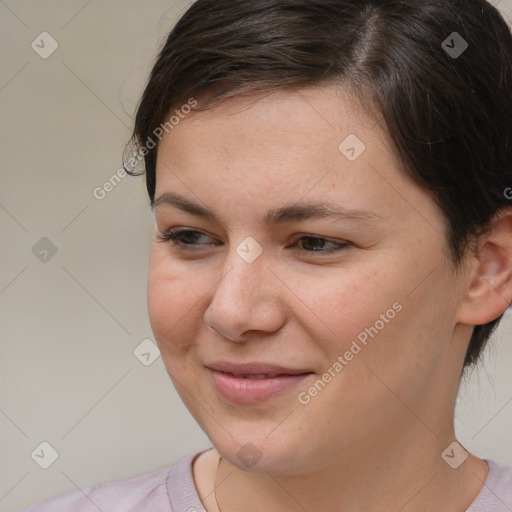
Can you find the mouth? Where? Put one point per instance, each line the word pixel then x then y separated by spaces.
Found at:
pixel 254 383
pixel 258 376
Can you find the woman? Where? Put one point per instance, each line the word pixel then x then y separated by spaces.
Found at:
pixel 332 250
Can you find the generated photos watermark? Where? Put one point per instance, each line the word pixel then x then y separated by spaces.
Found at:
pixel 305 397
pixel 138 154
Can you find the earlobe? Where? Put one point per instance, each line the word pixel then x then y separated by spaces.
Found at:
pixel 490 291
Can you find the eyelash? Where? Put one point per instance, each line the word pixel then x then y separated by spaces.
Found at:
pixel 172 237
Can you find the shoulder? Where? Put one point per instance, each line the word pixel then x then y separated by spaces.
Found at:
pixel 148 491
pixel 496 493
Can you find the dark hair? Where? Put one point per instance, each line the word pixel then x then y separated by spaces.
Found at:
pixel 446 109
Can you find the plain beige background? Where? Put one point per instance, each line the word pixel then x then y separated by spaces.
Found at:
pixel 72 317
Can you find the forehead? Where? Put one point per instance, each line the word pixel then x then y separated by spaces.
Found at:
pixel 280 129
pixel 266 150
pixel 312 112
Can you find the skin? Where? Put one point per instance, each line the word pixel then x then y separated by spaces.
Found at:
pixel 372 438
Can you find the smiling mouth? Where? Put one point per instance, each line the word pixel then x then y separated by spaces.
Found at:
pixel 264 375
pixel 246 389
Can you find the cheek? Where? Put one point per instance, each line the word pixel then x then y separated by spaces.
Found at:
pixel 173 306
pixel 370 315
pixel 345 306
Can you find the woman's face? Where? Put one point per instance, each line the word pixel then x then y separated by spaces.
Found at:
pixel 362 303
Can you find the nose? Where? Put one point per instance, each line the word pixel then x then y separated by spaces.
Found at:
pixel 247 298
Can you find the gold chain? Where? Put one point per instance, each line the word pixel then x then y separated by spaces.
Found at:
pixel 215 484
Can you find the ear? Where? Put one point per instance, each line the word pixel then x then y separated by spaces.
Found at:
pixel 490 282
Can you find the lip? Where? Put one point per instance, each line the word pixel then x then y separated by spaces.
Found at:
pixel 229 383
pixel 255 368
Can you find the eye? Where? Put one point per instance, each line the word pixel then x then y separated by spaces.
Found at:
pixel 308 243
pixel 187 240
pixel 182 238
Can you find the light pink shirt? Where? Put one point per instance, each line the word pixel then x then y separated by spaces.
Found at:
pixel 172 489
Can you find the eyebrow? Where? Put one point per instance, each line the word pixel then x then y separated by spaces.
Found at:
pixel 289 213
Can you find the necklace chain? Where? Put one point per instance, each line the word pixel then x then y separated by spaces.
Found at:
pixel 215 484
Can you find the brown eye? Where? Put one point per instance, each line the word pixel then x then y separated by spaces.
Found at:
pixel 318 244
pixel 183 238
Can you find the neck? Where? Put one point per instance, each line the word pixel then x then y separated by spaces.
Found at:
pixel 405 472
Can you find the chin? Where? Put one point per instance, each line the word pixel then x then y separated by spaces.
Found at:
pixel 260 454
